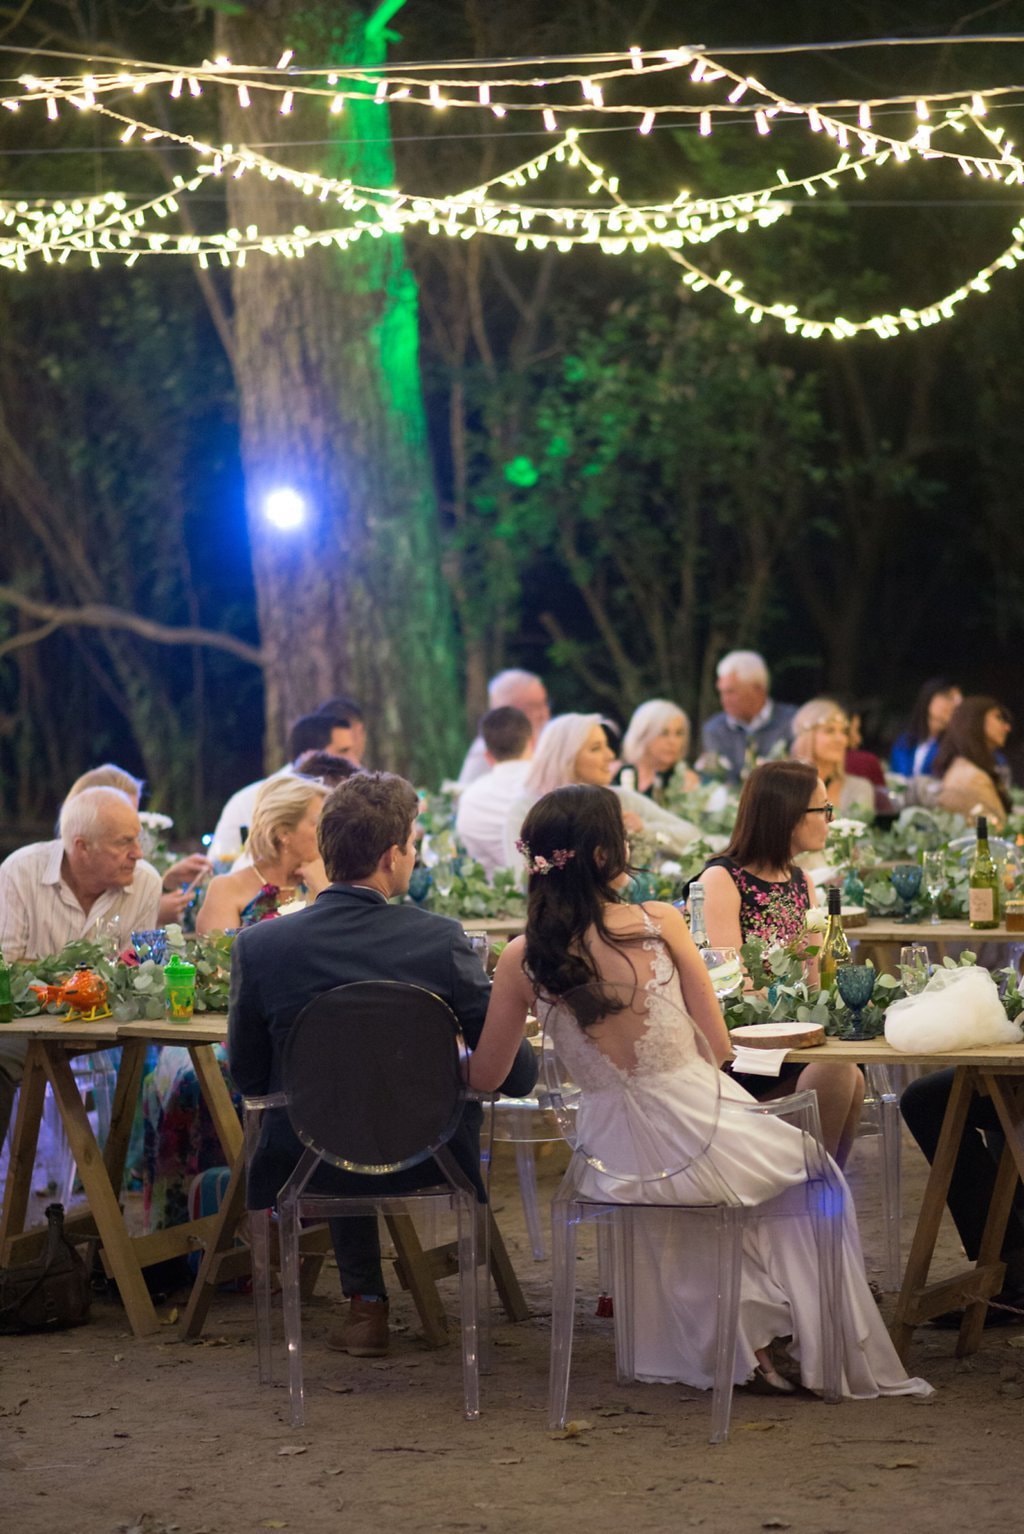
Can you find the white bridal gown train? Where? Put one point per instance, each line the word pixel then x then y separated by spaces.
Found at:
pixel 661 1114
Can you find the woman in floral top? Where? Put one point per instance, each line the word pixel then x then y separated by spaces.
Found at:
pixel 754 890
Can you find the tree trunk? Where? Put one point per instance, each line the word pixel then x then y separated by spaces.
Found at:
pixel 327 363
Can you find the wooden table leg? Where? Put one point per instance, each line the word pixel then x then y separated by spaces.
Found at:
pixel 218 1099
pixel 926 1232
pixel 24 1141
pixel 122 1112
pixel 103 1201
pixel 973 1324
pixel 504 1275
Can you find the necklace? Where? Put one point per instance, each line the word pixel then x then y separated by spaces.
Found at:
pixel 283 889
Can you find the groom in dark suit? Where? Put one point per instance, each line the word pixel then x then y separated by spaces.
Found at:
pixel 352 933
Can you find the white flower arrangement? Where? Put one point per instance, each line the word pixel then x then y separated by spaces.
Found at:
pixel 154 822
pixel 848 826
pixel 815 919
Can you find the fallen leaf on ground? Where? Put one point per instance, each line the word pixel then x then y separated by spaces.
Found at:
pixel 171 1317
pixel 758 1427
pixel 901 1464
pixel 574 1428
pixel 775 1523
pixel 294 1448
pixel 340 1390
pixel 512 1459
pixel 87 1414
pixel 15 1410
pixel 273 1523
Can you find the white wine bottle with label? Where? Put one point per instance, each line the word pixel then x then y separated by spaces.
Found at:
pixel 983 884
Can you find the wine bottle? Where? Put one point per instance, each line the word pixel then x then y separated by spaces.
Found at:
pixel 983 883
pixel 835 950
pixel 695 908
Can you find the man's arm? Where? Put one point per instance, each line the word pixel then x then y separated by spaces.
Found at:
pixel 250 1052
pixel 471 994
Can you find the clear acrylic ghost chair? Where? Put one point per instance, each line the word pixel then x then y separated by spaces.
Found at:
pixel 691 1187
pixel 525 1123
pixel 258 1221
pixel 374 1085
pixel 96 1077
pixel 881 1121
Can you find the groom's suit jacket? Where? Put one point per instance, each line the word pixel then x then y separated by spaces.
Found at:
pixel 350 933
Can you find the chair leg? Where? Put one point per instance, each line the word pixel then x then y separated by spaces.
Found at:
pixel 730 1259
pixel 622 1231
pixel 259 1248
pixel 890 1151
pixel 288 1235
pixel 469 1280
pixel 564 1217
pixel 526 1167
pixel 828 1229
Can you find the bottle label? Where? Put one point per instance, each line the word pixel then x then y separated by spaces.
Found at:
pixel 981 905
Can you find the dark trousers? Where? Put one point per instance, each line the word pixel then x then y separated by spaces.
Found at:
pixel 923 1106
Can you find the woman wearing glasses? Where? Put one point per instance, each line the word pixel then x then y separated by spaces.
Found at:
pixel 754 889
pixel 968 761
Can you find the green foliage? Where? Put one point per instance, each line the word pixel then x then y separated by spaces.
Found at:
pixel 134 990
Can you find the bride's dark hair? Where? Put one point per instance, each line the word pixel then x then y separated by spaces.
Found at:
pixel 569 900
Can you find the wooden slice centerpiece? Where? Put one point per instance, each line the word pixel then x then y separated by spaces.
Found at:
pixel 779 1035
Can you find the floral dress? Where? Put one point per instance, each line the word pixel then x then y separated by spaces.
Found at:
pixel 179 1138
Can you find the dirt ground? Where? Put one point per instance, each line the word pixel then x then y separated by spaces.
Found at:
pixel 102 1434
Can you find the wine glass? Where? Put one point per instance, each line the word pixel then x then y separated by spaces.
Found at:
pixel 444 877
pixel 725 969
pixel 481 946
pixel 107 933
pixel 906 881
pixel 934 871
pixel 914 968
pixel 856 984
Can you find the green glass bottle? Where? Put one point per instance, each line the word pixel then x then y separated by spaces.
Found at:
pixel 983 884
pixel 6 1004
pixel 835 950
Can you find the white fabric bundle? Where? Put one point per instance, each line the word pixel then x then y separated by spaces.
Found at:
pixel 958 1009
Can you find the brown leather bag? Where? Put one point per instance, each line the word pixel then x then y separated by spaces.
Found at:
pixel 51 1293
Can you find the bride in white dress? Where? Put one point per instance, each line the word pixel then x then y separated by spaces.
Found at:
pixel 650 1100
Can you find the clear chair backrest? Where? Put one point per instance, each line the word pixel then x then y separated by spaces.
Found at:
pixel 629 1029
pixel 373 1074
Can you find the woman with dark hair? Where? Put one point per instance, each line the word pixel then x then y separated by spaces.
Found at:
pixel 650 1098
pixel 914 751
pixel 755 889
pixel 966 761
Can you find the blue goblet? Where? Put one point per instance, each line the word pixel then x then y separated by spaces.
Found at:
pixel 150 943
pixel 906 881
pixel 856 984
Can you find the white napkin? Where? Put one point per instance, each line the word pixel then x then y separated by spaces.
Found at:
pixel 758 1062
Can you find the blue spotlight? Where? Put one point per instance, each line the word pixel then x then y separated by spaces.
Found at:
pixel 285 508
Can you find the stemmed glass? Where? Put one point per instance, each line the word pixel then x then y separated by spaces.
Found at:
pixel 914 968
pixel 444 877
pixel 726 971
pixel 934 870
pixel 906 881
pixel 856 984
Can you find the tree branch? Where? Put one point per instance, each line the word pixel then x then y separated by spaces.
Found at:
pixel 98 616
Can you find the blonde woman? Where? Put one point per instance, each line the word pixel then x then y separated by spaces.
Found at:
pixel 174 900
pixel 286 864
pixel 821 735
pixel 573 748
pixel 654 749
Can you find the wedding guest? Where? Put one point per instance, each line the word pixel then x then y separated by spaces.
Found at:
pixel 913 753
pixel 654 749
pixel 286 864
pixel 821 733
pixel 348 708
pixel 645 1062
pixel 509 689
pixel 325 766
pixel 755 889
pixel 751 725
pixel 174 899
pixel 971 780
pixel 573 748
pixel 313 732
pixel 53 893
pixel 484 804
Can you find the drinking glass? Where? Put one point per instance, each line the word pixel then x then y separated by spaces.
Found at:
pixel 856 984
pixel 481 946
pixel 934 870
pixel 906 881
pixel 107 933
pixel 444 878
pixel 725 969
pixel 150 943
pixel 914 968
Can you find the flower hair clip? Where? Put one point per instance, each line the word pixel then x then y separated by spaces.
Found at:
pixel 542 865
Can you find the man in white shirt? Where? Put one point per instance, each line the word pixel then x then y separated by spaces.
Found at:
pixel 485 804
pixel 53 893
pixel 509 689
pixel 313 732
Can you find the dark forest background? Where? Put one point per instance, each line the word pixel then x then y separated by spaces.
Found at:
pixel 630 478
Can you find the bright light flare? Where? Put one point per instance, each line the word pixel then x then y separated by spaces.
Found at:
pixel 284 508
